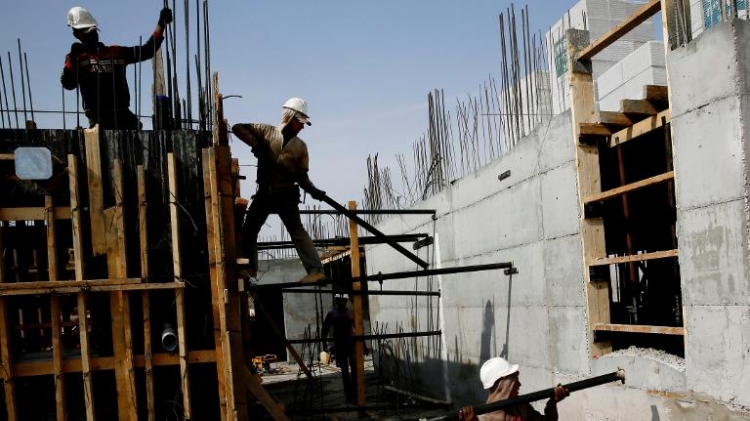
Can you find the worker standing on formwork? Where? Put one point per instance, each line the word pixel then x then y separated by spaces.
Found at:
pixel 341 320
pixel 501 378
pixel 99 70
pixel 283 164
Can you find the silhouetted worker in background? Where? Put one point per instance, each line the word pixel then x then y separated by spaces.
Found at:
pixel 501 378
pixel 99 70
pixel 283 164
pixel 341 319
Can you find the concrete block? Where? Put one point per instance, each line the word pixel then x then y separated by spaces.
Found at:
pixel 560 208
pixel 563 271
pixel 568 340
pixel 512 218
pixel 713 255
pixel 717 363
pixel 556 143
pixel 710 68
pixel 610 80
pixel 708 138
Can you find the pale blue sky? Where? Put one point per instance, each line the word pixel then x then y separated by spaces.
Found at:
pixel 365 67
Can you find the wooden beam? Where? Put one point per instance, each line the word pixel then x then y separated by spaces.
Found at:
pixel 54 289
pixel 583 110
pixel 253 385
pixel 639 16
pixel 619 191
pixel 55 315
pixel 96 198
pixel 662 330
pixel 359 350
pixel 6 359
pixel 640 128
pixel 656 93
pixel 639 107
pixel 594 129
pixel 31 214
pixel 83 330
pixel 122 339
pixel 7 156
pixel 635 258
pixel 146 297
pixel 179 294
pixel 614 119
pixel 73 365
pixel 217 291
pixel 69 284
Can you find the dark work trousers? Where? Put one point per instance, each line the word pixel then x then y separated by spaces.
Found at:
pixel 285 203
pixel 345 361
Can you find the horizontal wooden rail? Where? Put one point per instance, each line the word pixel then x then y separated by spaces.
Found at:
pixel 31 213
pixel 55 289
pixel 73 365
pixel 639 16
pixel 619 191
pixel 645 126
pixel 635 258
pixel 663 330
pixel 63 284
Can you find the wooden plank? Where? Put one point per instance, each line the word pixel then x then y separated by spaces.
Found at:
pixel 593 129
pixel 662 330
pixel 583 110
pixel 120 302
pixel 614 119
pixel 639 16
pixel 359 329
pixel 635 258
pixel 6 359
pixel 73 365
pixel 7 156
pixel 55 315
pixel 639 107
pixel 179 295
pixel 68 284
pixel 53 289
pixel 253 385
pixel 619 191
pixel 217 293
pixel 31 214
pixel 146 297
pixel 96 198
pixel 656 93
pixel 640 128
pixel 88 388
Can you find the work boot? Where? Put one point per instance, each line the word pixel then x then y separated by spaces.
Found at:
pixel 313 277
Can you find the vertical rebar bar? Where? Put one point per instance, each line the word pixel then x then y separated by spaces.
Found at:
pixel 23 81
pixel 189 111
pixel 28 83
pixel 13 89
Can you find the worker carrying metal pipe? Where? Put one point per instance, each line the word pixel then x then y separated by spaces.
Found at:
pixel 283 165
pixel 501 379
pixel 99 70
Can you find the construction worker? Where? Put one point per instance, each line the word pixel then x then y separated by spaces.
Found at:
pixel 341 319
pixel 501 379
pixel 283 163
pixel 99 70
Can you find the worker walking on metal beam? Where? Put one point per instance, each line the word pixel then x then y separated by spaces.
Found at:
pixel 99 70
pixel 283 164
pixel 501 379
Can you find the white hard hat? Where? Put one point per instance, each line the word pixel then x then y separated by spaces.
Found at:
pixel 300 106
pixel 80 18
pixel 340 296
pixel 494 369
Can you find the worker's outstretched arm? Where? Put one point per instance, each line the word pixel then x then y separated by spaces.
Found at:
pixel 254 135
pixel 69 78
pixel 303 179
pixel 148 50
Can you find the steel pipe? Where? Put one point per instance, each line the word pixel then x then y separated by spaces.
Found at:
pixel 373 337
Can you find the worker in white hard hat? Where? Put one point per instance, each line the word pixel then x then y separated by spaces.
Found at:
pixel 283 166
pixel 98 70
pixel 341 320
pixel 501 378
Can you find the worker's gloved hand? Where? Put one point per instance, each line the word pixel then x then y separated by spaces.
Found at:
pixel 560 393
pixel 316 193
pixel 165 17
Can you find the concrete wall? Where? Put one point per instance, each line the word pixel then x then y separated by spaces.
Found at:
pixel 538 318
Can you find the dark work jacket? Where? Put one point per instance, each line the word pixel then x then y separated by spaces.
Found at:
pixel 100 72
pixel 342 323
